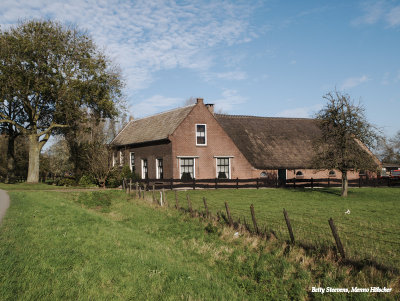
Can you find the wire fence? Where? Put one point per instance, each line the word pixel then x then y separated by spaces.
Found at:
pixel 362 240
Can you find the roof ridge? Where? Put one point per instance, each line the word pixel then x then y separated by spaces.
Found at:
pixel 264 117
pixel 160 113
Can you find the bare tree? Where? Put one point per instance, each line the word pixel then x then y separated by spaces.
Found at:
pixel 345 138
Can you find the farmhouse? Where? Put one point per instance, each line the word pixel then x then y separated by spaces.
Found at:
pixel 193 142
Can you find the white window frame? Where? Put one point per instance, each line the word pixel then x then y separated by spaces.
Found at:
pixel 157 169
pixel 130 160
pixel 194 165
pixel 113 159
pixel 229 162
pixel 143 173
pixel 121 160
pixel 205 134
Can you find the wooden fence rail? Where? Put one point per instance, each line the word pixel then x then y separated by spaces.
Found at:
pixel 267 183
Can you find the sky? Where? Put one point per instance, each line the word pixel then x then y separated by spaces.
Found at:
pixel 263 58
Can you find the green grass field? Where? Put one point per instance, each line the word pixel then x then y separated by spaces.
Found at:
pixel 104 246
pixel 370 231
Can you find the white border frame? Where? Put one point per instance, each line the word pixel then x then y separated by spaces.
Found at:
pixel 194 164
pixel 130 159
pixel 143 175
pixel 205 134
pixel 157 174
pixel 230 165
pixel 121 161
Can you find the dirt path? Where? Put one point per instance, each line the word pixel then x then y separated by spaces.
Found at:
pixel 4 203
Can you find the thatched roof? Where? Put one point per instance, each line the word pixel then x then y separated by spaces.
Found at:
pixel 272 143
pixel 152 128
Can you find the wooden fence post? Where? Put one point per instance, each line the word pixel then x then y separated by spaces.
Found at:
pixel 329 182
pixel 237 183
pixel 288 225
pixel 176 200
pixel 190 205
pixel 336 236
pixel 130 186
pixel 144 190
pixel 216 184
pixel 172 184
pixel 253 217
pixel 137 190
pixel 154 193
pixel 206 207
pixel 164 197
pixel 294 182
pixel 257 183
pixel 312 183
pixel 359 182
pixel 194 183
pixel 228 213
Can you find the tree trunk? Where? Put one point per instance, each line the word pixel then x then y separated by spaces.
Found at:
pixel 34 152
pixel 10 158
pixel 345 183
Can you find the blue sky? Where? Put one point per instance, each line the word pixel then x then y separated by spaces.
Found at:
pixel 265 58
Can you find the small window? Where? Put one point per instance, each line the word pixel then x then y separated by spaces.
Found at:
pixel 299 174
pixel 114 158
pixel 362 173
pixel 263 175
pixel 160 168
pixel 201 134
pixel 332 174
pixel 223 168
pixel 121 158
pixel 187 168
pixel 132 161
pixel 145 170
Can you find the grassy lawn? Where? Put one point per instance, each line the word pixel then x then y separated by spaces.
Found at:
pixel 38 186
pixel 104 246
pixel 370 231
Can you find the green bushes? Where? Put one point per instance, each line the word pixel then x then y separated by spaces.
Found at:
pixel 65 182
pixel 87 181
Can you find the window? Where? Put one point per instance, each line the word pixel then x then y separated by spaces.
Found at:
pixel 201 134
pixel 145 173
pixel 121 158
pixel 299 174
pixel 332 174
pixel 132 161
pixel 160 169
pixel 223 168
pixel 114 160
pixel 187 168
pixel 263 175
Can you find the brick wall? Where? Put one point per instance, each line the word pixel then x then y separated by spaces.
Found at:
pixel 218 144
pixel 151 153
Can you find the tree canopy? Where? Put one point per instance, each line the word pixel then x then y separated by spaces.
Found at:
pixel 50 75
pixel 346 137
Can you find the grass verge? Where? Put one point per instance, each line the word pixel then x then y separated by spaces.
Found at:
pixel 69 245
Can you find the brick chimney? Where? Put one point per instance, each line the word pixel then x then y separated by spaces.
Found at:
pixel 210 107
pixel 200 100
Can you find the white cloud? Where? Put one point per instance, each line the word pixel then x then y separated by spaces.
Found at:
pixel 154 104
pixel 229 99
pixel 393 17
pixel 380 11
pixel 352 82
pixel 302 112
pixel 231 75
pixel 146 36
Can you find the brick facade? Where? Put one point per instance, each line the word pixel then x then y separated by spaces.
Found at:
pixel 181 143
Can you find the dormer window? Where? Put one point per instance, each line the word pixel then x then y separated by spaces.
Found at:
pixel 201 134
